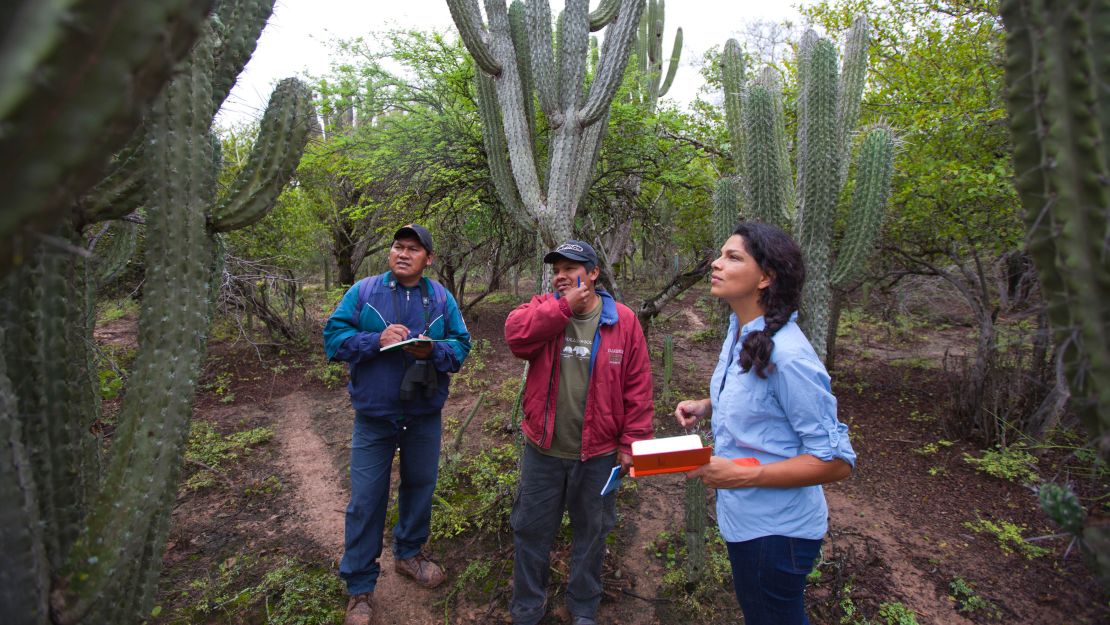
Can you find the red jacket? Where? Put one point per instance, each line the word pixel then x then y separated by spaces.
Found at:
pixel 619 402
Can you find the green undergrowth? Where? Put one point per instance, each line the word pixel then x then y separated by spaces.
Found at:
pixel 1012 463
pixel 270 590
pixel 475 493
pixel 210 452
pixel 693 600
pixel 1009 537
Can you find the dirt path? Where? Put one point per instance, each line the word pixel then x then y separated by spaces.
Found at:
pixel 869 525
pixel 321 504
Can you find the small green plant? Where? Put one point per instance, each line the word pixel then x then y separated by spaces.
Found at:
pixel 1008 535
pixel 896 614
pixel 112 310
pixel 211 451
pixel 920 417
pixel 969 602
pixel 264 487
pixel 929 449
pixel 329 373
pixel 935 471
pixel 705 335
pixel 221 387
pixel 692 600
pixel 1011 463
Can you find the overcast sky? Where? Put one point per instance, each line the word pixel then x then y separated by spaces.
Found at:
pixel 294 42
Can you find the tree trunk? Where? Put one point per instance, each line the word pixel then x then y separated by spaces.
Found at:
pixel 653 305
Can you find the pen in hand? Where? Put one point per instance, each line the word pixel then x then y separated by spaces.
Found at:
pixel 579 281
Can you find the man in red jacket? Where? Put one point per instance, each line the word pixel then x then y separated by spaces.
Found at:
pixel 587 397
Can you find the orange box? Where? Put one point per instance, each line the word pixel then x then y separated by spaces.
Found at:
pixel 676 454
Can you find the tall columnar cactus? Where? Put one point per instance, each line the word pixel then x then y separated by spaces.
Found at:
pixel 649 56
pixel 726 209
pixel 1057 72
pixel 576 114
pixel 828 109
pixel 81 543
pixel 75 78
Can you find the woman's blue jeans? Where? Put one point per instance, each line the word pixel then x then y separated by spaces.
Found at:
pixel 373 445
pixel 769 577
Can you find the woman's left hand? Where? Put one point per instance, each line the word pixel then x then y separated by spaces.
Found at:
pixel 724 473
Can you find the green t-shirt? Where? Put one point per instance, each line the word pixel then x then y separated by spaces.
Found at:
pixel 574 381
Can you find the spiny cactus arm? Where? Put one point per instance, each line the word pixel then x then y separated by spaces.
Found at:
pixel 732 79
pixel 544 72
pixel 726 209
pixel 468 19
pixel 153 420
pixel 493 138
pixel 874 170
pixel 1078 170
pixel 588 151
pixel 74 78
pixel 113 249
pixel 614 58
pixel 603 14
pixel 574 46
pixel 239 23
pixel 820 190
pixel 288 122
pixel 510 98
pixel 805 50
pixel 654 21
pixel 120 192
pixel 672 67
pixel 767 176
pixel 1099 23
pixel 853 76
pixel 518 30
pixel 24 582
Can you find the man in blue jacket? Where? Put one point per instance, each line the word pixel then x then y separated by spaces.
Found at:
pixel 398 387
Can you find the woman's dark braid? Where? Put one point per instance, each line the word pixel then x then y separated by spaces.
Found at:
pixel 781 258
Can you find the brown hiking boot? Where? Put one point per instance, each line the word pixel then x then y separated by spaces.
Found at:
pixel 360 609
pixel 426 573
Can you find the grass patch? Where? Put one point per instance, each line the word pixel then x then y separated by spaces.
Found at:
pixel 1012 464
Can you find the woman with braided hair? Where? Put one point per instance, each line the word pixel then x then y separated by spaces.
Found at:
pixel 770 399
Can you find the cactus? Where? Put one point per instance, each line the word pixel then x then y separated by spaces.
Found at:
pixel 668 367
pixel 576 114
pixel 726 209
pixel 1062 506
pixel 1056 73
pixel 828 108
pixel 76 77
pixel 649 56
pixel 80 543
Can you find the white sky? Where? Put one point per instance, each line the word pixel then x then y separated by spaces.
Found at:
pixel 294 42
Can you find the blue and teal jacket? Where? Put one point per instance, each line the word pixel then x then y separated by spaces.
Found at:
pixel 353 331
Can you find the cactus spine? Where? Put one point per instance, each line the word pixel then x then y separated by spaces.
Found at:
pixel 1056 73
pixel 576 114
pixel 86 545
pixel 828 108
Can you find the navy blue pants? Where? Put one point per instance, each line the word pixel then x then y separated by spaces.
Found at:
pixel 373 445
pixel 548 486
pixel 769 577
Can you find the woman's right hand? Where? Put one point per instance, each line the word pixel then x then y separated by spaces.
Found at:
pixel 689 411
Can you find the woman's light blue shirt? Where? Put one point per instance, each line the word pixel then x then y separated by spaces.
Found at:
pixel 791 412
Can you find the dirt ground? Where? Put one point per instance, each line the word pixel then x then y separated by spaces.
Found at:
pixel 898 525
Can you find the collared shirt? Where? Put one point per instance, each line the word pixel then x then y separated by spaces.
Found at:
pixel 791 412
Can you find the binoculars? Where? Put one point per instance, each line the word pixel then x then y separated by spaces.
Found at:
pixel 420 378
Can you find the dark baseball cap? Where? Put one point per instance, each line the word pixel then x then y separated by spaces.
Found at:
pixel 578 251
pixel 418 232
